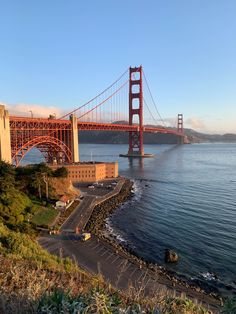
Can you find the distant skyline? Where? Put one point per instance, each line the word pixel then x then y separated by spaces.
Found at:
pixel 57 54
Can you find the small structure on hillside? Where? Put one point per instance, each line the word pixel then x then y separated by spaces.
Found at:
pixel 62 202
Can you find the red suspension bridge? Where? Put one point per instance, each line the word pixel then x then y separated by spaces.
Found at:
pixel 57 139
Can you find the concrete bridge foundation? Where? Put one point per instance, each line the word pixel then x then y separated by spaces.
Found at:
pixel 5 140
pixel 74 138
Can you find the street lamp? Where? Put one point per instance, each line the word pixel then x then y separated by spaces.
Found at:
pixel 31 113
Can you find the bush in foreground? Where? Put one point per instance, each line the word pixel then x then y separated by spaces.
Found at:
pixel 101 301
pixel 27 288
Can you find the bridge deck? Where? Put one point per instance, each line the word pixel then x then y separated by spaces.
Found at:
pixel 19 123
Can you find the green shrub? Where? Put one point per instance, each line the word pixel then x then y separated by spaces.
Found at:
pixel 96 301
pixel 173 305
pixel 22 246
pixel 61 172
pixel 13 204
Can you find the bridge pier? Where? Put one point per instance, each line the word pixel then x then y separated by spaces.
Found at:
pixel 5 140
pixel 74 138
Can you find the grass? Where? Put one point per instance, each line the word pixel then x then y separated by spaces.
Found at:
pixel 25 285
pixel 45 216
pixel 19 246
pixel 26 288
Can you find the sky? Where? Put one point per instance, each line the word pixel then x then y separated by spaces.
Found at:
pixel 55 55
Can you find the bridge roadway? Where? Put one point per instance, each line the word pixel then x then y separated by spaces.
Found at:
pixel 39 124
pixel 98 257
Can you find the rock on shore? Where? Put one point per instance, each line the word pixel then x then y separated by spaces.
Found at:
pixel 171 256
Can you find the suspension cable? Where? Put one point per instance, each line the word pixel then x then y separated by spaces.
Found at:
pixel 115 92
pixel 156 121
pixel 153 100
pixel 88 102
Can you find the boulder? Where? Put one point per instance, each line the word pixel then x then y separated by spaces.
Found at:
pixel 171 256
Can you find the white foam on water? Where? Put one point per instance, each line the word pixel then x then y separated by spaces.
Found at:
pixel 112 232
pixel 208 276
pixel 137 190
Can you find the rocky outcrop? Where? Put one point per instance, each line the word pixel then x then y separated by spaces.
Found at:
pixel 102 211
pixel 62 186
pixel 171 256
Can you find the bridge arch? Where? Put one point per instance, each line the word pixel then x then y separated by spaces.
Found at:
pixel 51 147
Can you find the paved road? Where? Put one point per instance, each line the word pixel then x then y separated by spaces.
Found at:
pixel 80 215
pixel 98 257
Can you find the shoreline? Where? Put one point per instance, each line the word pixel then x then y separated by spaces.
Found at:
pixel 97 225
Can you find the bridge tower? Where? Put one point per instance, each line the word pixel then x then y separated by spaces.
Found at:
pixel 180 128
pixel 136 108
pixel 5 141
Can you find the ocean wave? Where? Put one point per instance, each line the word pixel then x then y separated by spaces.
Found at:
pixel 154 180
pixel 137 190
pixel 111 231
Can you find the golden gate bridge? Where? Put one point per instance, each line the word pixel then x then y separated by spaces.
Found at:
pixel 57 138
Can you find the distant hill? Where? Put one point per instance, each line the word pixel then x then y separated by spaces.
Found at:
pixel 110 137
pixel 195 136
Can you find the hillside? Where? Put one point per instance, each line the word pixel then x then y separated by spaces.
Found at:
pixel 108 137
pixel 203 137
pixel 27 193
pixel 62 186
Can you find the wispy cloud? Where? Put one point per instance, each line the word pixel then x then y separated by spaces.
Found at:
pixel 195 123
pixel 172 122
pixel 37 110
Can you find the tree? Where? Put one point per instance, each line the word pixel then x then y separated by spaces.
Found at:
pixel 37 182
pixel 43 168
pixel 12 206
pixel 7 176
pixel 61 172
pixel 45 180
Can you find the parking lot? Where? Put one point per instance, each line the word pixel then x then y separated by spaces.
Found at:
pixel 101 258
pixel 100 188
